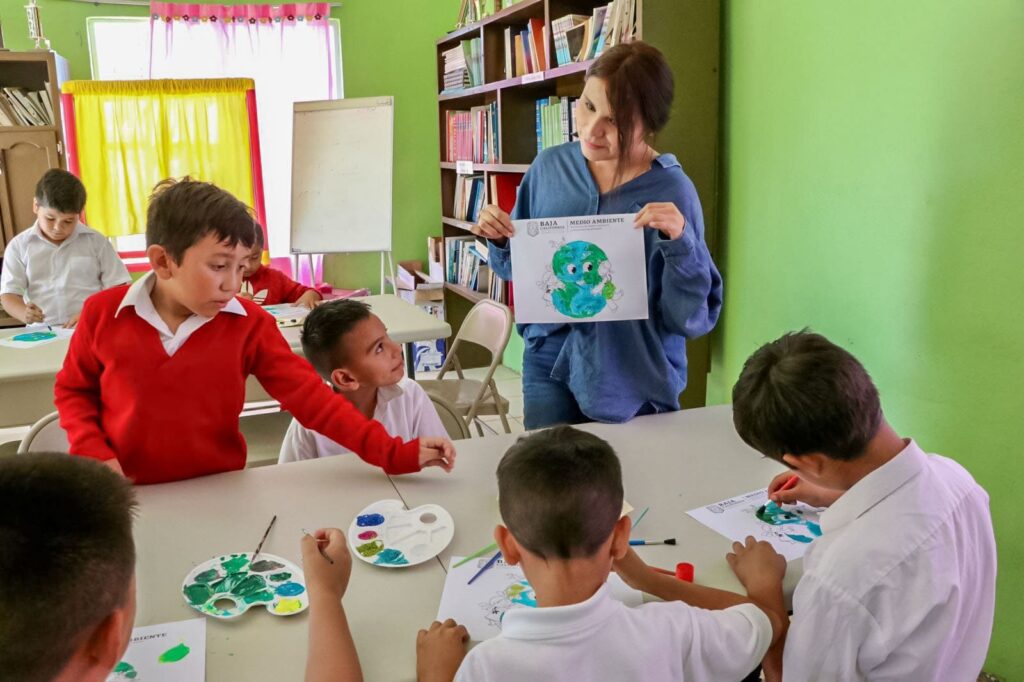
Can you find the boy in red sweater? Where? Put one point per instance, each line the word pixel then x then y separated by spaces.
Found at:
pixel 267 286
pixel 154 379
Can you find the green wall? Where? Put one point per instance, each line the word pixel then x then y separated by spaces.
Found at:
pixel 874 191
pixel 387 49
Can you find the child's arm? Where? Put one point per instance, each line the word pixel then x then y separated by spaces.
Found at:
pixel 16 307
pixel 757 566
pixel 309 298
pixel 292 381
pixel 332 653
pixel 112 269
pixel 637 574
pixel 290 291
pixel 440 651
pixel 76 395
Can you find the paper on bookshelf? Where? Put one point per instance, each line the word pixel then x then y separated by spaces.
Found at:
pixel 579 269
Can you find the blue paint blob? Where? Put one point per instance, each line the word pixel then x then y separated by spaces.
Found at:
pixel 799 538
pixel 289 589
pixel 35 336
pixel 369 520
pixel 391 556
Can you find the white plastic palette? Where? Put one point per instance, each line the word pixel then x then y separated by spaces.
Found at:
pixel 387 534
pixel 227 585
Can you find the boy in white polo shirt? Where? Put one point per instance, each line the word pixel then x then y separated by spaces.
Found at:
pixel 51 268
pixel 560 494
pixel 349 347
pixel 901 584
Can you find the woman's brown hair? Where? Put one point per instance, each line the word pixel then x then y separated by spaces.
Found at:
pixel 640 90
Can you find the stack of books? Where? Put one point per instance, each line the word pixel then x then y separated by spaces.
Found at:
pixel 469 197
pixel 556 121
pixel 524 49
pixel 466 259
pixel 472 135
pixel 463 67
pixel 579 38
pixel 21 107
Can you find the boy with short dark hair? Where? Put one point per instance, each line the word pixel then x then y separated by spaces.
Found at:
pixel 154 379
pixel 68 564
pixel 901 584
pixel 52 267
pixel 560 494
pixel 267 286
pixel 350 349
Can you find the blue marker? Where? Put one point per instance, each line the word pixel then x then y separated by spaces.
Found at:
pixel 670 541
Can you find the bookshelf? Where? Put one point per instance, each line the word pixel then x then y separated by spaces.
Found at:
pixel 688 32
pixel 27 151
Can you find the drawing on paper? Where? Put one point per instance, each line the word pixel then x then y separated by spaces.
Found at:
pixel 779 518
pixel 578 283
pixel 517 592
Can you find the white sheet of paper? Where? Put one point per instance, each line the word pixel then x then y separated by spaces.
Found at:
pixel 736 518
pixel 480 606
pixel 169 652
pixel 286 314
pixel 579 269
pixel 51 333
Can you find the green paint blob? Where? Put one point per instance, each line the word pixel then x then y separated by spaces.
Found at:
pixel 259 597
pixel 370 548
pixel 174 654
pixel 250 584
pixel 125 670
pixel 207 576
pixel 235 564
pixel 198 593
pixel 280 577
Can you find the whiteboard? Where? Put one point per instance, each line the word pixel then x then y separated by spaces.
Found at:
pixel 341 175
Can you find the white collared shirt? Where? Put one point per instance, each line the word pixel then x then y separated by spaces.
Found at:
pixel 901 584
pixel 59 277
pixel 140 296
pixel 404 410
pixel 603 639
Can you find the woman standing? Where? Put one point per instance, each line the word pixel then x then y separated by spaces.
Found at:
pixel 614 371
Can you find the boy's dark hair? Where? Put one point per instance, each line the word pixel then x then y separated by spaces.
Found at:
pixel 324 330
pixel 66 557
pixel 560 492
pixel 258 236
pixel 182 212
pixel 640 89
pixel 801 394
pixel 61 191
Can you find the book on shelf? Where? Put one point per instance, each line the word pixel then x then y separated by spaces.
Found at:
pixel 472 135
pixel 537 34
pixel 470 197
pixel 556 121
pixel 503 189
pixel 463 65
pixel 21 107
pixel 559 28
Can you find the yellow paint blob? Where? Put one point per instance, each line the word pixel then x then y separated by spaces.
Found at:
pixel 288 606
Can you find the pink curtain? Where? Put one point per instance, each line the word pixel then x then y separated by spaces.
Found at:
pixel 288 50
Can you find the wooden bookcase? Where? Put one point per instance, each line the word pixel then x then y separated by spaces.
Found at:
pixel 688 32
pixel 26 152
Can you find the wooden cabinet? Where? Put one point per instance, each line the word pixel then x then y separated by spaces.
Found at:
pixel 687 32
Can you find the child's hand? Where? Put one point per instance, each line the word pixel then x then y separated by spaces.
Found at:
pixel 440 650
pixel 33 313
pixel 493 223
pixel 756 564
pixel 633 571
pixel 322 577
pixel 663 216
pixel 802 491
pixel 308 299
pixel 70 324
pixel 437 452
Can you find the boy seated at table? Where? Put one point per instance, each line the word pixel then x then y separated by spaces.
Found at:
pixel 267 286
pixel 350 349
pixel 901 583
pixel 52 267
pixel 154 379
pixel 68 564
pixel 560 495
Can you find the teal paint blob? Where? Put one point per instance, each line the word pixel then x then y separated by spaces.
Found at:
pixel 392 557
pixel 369 520
pixel 235 564
pixel 264 565
pixel 197 593
pixel 577 265
pixel 280 577
pixel 35 336
pixel 207 576
pixel 124 671
pixel 263 596
pixel 290 589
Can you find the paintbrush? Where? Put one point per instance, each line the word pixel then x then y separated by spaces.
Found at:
pixel 480 552
pixel 640 518
pixel 490 562
pixel 262 540
pixel 318 547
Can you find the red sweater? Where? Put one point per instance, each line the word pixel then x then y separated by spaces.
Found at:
pixel 167 418
pixel 270 287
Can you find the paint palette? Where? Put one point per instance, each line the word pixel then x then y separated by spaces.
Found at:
pixel 228 585
pixel 387 534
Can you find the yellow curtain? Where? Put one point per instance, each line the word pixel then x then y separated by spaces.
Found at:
pixel 132 134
